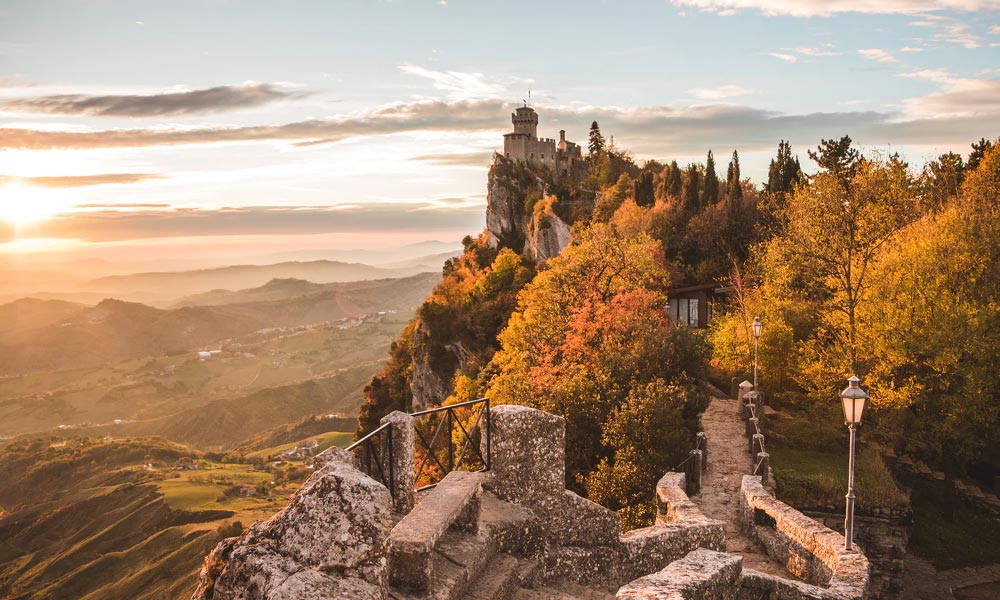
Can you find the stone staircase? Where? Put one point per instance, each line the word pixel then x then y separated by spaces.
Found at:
pixel 460 542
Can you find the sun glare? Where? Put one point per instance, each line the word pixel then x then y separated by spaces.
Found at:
pixel 22 204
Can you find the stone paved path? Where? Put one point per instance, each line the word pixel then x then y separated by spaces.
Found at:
pixel 728 461
pixel 921 581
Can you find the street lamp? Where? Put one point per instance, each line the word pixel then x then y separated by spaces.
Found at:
pixel 757 328
pixel 853 398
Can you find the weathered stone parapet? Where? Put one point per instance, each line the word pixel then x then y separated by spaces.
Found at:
pixel 702 574
pixel 401 459
pixel 650 549
pixel 807 548
pixel 329 542
pixel 528 463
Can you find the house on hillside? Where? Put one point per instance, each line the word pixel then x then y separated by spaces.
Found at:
pixel 694 305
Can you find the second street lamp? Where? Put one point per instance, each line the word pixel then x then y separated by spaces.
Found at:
pixel 757 328
pixel 853 398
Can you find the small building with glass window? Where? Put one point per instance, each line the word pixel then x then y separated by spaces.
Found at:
pixel 693 305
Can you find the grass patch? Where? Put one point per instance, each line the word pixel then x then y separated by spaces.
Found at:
pixel 199 490
pixel 814 479
pixel 962 539
pixel 326 440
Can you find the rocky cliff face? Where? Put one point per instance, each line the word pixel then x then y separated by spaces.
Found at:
pixel 513 194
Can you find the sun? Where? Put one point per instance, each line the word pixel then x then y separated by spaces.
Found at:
pixel 22 204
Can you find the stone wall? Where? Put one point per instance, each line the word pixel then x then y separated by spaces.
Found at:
pixel 883 534
pixel 583 540
pixel 809 550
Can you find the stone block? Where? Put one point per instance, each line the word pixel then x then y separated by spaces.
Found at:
pixel 454 501
pixel 528 464
pixel 702 574
pixel 334 532
pixel 402 459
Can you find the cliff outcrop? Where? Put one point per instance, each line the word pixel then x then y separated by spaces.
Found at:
pixel 519 215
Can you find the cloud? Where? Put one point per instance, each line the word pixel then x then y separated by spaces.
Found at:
pixel 460 85
pixel 910 49
pixel 436 115
pixel 121 225
pixel 959 97
pixel 722 91
pixel 649 131
pixel 72 181
pixel 950 31
pixel 457 159
pixel 817 52
pixel 995 30
pixel 877 54
pixel 216 99
pixel 785 57
pixel 823 8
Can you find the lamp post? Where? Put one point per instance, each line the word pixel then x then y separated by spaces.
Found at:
pixel 757 328
pixel 853 398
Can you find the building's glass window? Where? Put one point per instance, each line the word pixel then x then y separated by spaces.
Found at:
pixel 683 310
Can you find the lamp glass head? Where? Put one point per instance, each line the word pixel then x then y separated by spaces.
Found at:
pixel 853 398
pixel 757 327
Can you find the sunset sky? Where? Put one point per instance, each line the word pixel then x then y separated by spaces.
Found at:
pixel 227 126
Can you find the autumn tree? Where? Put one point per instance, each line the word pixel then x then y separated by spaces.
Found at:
pixel 672 180
pixel 690 190
pixel 834 233
pixel 979 150
pixel 590 334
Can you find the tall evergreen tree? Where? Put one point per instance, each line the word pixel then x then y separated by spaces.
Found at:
pixel 733 187
pixel 690 190
pixel 784 171
pixel 979 150
pixel 595 143
pixel 674 185
pixel 643 190
pixel 711 193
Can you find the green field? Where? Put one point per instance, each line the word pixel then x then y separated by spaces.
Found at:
pixel 326 440
pixel 199 490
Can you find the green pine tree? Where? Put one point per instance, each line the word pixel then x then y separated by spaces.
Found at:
pixel 596 142
pixel 733 178
pixel 711 193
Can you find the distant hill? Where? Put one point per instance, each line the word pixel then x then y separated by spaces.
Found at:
pixel 31 313
pixel 225 423
pixel 82 521
pixel 41 336
pixel 240 276
pixel 305 428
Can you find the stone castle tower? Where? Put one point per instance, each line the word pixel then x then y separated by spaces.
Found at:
pixel 523 144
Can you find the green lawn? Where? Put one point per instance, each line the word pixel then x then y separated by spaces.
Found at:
pixel 812 479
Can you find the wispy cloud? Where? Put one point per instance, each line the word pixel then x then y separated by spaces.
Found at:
pixel 73 181
pixel 120 223
pixel 817 52
pixel 814 8
pixel 950 31
pixel 877 54
pixel 785 57
pixel 457 159
pixel 722 92
pixel 216 99
pixel 459 85
pixel 995 30
pixel 910 49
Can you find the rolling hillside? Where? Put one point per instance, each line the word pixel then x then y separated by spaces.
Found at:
pixel 62 335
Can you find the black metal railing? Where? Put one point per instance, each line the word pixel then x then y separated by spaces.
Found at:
pixel 373 448
pixel 446 422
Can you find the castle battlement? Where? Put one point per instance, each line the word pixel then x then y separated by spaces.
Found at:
pixel 523 144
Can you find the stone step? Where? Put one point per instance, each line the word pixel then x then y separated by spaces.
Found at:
pixel 452 504
pixel 563 591
pixel 501 577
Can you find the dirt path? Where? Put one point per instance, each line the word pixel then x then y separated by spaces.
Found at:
pixel 728 461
